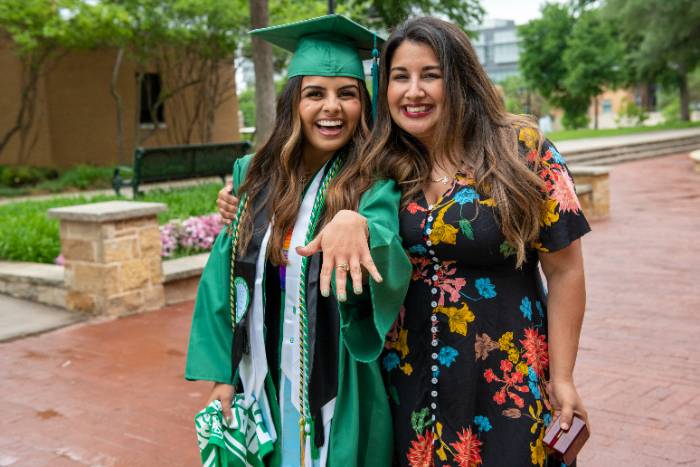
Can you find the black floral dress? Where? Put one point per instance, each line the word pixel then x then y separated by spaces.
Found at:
pixel 466 363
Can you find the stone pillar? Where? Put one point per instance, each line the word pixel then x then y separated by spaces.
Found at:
pixel 112 257
pixel 695 158
pixel 598 178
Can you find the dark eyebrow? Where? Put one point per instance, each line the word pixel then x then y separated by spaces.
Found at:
pixel 314 87
pixel 350 86
pixel 425 68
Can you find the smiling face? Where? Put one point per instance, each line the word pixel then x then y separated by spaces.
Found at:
pixel 330 109
pixel 415 91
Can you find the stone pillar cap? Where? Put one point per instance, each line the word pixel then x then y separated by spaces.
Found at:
pixel 107 211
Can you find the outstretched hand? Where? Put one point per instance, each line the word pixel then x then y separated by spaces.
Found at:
pixel 344 244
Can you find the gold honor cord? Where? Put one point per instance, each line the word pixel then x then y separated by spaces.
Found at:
pixel 305 419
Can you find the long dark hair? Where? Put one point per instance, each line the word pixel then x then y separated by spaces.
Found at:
pixel 278 165
pixel 475 129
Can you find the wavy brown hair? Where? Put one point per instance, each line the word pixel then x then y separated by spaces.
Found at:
pixel 278 165
pixel 475 130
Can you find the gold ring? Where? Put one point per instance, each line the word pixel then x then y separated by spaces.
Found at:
pixel 345 267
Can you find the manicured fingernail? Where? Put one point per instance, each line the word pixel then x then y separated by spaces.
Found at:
pixel 357 290
pixel 564 426
pixel 342 297
pixel 326 293
pixel 379 280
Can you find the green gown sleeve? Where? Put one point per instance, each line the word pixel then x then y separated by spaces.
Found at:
pixel 366 319
pixel 211 337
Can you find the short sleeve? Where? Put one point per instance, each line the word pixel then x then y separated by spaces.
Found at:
pixel 562 220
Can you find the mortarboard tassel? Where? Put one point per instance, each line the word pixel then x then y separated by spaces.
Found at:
pixel 375 78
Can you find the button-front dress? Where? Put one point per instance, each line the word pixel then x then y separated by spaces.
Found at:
pixel 466 363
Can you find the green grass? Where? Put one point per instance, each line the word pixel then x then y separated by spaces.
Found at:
pixel 590 133
pixel 27 234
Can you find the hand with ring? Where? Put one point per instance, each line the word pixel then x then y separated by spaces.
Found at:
pixel 346 250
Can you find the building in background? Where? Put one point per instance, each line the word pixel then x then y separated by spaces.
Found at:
pixel 74 118
pixel 497 48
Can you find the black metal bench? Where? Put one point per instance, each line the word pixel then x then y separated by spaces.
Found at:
pixel 169 163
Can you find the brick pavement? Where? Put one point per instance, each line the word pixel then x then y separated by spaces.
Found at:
pixel 638 363
pixel 71 397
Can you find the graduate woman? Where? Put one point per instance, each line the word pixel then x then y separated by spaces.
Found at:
pixel 271 339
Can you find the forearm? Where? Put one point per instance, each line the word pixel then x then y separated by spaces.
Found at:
pixel 566 303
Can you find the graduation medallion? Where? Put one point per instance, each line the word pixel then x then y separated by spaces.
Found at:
pixel 242 298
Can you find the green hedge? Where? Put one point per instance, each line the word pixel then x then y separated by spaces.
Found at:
pixel 27 234
pixel 26 180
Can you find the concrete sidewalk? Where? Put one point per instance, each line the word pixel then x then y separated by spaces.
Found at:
pixel 20 318
pixel 572 145
pixel 113 394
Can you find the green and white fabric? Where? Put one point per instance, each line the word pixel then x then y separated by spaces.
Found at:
pixel 244 442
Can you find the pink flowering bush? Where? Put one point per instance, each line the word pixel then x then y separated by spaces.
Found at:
pixel 193 235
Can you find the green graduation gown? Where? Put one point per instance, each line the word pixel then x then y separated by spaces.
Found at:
pixel 345 340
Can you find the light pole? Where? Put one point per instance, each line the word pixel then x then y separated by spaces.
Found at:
pixel 331 7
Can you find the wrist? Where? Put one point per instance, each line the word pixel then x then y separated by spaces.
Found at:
pixel 564 379
pixel 355 217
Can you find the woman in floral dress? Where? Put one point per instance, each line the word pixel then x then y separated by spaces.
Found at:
pixel 478 359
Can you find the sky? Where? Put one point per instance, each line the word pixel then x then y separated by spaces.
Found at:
pixel 521 11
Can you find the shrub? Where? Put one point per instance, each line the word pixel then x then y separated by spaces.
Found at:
pixel 23 175
pixel 27 234
pixel 191 236
pixel 631 113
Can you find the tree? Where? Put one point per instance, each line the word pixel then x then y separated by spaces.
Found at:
pixel 521 98
pixel 662 38
pixel 35 32
pixel 389 13
pixel 543 43
pixel 264 73
pixel 570 55
pixel 592 58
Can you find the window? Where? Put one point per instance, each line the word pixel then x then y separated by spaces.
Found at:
pixel 150 92
pixel 505 53
pixel 607 106
pixel 501 37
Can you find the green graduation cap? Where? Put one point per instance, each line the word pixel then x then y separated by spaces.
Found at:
pixel 330 45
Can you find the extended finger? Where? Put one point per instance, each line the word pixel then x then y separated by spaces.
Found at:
pixel 356 275
pixel 341 280
pixel 368 263
pixel 311 248
pixel 325 276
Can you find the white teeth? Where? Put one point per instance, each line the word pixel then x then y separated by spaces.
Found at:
pixel 329 122
pixel 421 108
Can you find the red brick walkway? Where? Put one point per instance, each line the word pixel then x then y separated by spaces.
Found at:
pixel 639 360
pixel 71 397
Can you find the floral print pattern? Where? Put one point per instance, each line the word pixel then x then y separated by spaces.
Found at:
pixel 466 363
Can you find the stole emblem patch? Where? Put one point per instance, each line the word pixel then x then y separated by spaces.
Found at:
pixel 242 298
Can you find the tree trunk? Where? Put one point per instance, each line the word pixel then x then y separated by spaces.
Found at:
pixel 684 94
pixel 264 75
pixel 595 113
pixel 121 145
